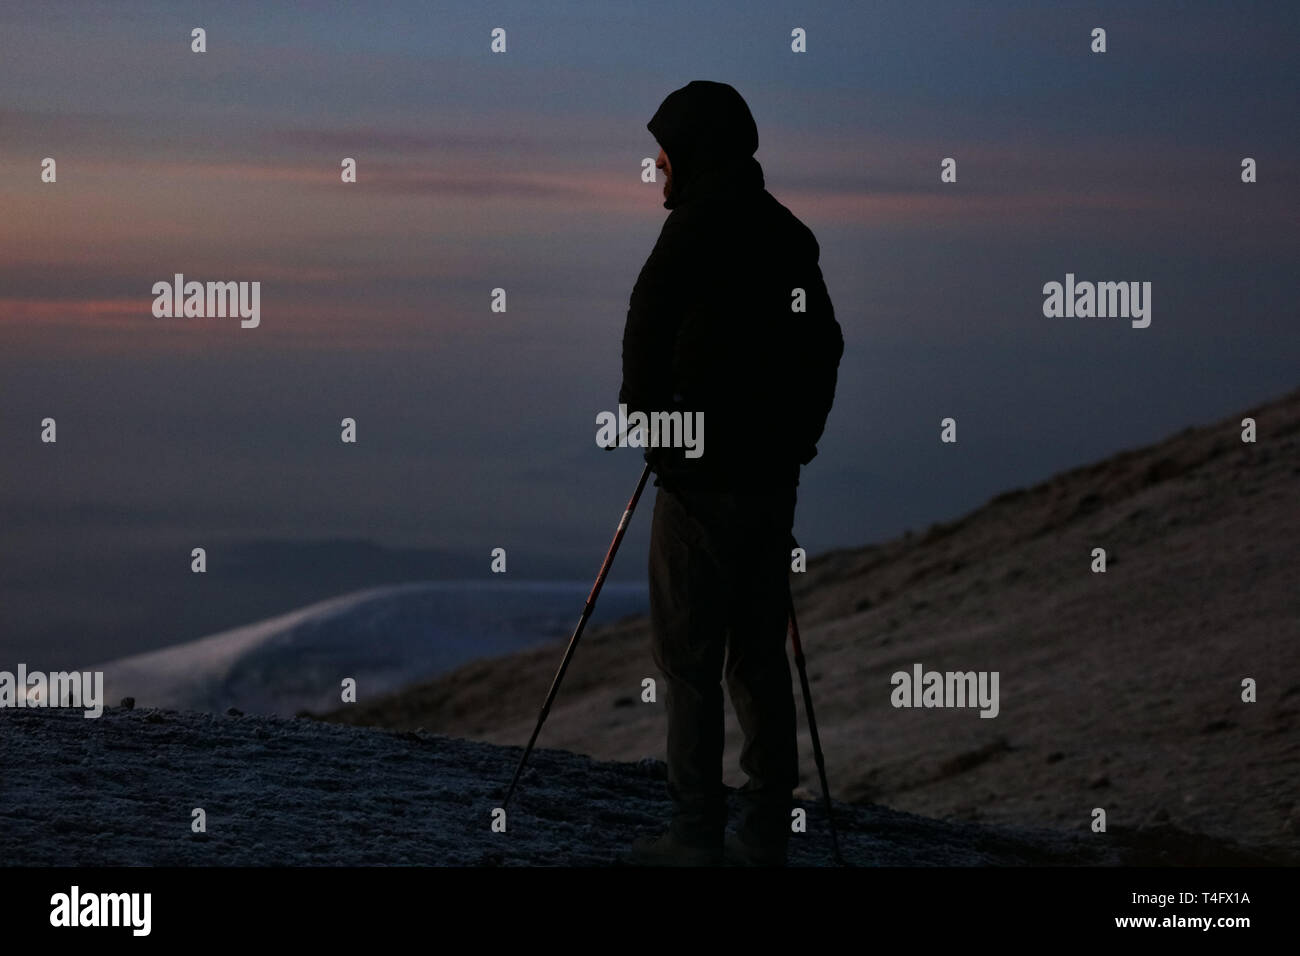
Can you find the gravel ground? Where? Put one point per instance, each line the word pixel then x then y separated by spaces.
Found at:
pixel 120 790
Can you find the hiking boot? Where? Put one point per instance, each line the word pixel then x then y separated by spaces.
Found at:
pixel 740 851
pixel 668 849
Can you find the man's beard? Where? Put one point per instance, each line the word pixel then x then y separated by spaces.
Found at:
pixel 669 186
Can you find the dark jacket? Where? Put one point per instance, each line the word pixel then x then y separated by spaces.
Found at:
pixel 710 327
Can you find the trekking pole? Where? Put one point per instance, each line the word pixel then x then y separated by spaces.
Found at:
pixel 812 728
pixel 582 623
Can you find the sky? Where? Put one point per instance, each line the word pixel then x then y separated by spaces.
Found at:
pixel 522 170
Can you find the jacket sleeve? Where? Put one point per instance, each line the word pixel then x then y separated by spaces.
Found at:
pixel 824 349
pixel 654 315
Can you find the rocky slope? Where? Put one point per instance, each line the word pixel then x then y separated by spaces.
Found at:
pixel 1119 691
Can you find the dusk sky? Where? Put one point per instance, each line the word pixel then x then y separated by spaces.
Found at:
pixel 522 170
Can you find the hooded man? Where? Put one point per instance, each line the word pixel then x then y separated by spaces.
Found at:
pixel 729 320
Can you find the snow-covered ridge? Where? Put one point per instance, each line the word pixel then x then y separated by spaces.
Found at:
pixel 383 638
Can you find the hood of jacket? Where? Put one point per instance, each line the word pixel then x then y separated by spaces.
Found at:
pixel 710 138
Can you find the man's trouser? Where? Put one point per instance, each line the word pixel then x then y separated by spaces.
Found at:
pixel 719 587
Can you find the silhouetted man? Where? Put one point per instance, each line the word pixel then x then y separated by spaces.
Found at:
pixel 730 318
